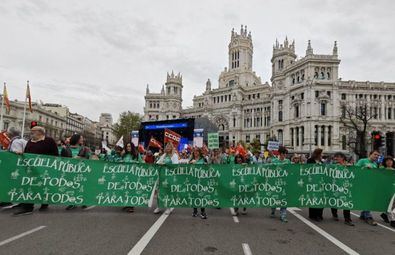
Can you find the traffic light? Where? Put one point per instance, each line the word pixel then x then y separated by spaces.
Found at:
pixel 33 124
pixel 377 140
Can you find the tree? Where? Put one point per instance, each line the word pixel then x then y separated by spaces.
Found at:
pixel 356 118
pixel 127 122
pixel 255 146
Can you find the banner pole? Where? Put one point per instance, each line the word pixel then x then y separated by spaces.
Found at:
pixel 24 115
pixel 2 112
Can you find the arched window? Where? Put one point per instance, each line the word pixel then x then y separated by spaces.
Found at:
pixel 316 75
pixel 322 75
pixel 328 75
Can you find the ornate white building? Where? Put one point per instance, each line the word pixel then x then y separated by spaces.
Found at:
pixel 301 108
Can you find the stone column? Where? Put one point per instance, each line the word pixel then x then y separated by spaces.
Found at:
pixel 318 135
pixel 300 139
pixel 325 136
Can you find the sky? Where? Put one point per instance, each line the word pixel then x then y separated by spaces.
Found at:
pixel 98 56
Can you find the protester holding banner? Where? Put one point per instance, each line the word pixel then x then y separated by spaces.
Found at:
pixel 131 155
pixel 388 163
pixel 316 158
pixel 38 144
pixel 16 145
pixel 369 162
pixel 169 157
pixel 115 155
pixel 280 161
pixel 75 149
pixel 340 159
pixel 239 159
pixel 198 159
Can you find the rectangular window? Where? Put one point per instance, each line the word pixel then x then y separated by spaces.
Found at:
pixel 280 116
pixel 297 136
pixel 317 94
pixel 343 96
pixel 329 135
pixel 292 137
pixel 389 113
pixel 323 109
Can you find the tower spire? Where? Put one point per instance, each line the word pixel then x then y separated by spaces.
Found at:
pixel 309 50
pixel 335 49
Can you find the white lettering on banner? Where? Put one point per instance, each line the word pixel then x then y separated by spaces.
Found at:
pixel 260 171
pixel 54 198
pixel 191 188
pixel 193 171
pixel 130 169
pixel 172 136
pixel 126 185
pixel 258 201
pixel 325 201
pixel 335 173
pixel 125 199
pixel 196 202
pixel 64 166
pixel 50 181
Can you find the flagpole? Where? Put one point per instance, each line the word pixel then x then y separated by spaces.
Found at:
pixel 2 111
pixel 24 114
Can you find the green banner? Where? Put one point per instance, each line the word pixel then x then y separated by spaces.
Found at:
pixel 54 180
pixel 213 140
pixel 319 186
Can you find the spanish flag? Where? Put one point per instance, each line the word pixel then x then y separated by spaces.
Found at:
pixel 29 97
pixel 6 99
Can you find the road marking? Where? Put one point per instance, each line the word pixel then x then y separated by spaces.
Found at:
pixel 381 225
pixel 331 238
pixel 246 249
pixel 235 218
pixel 21 235
pixel 89 207
pixel 142 243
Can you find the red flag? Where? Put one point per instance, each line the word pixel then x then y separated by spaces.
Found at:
pixel 4 140
pixel 154 143
pixel 141 148
pixel 29 97
pixel 240 150
pixel 6 99
pixel 172 137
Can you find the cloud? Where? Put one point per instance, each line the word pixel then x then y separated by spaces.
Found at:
pixel 97 56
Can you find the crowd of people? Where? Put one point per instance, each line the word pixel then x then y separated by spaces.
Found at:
pixel 74 147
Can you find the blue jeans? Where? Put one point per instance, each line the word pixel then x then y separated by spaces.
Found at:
pixel 283 211
pixel 366 215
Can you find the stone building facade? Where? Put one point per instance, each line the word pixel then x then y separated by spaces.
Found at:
pixel 301 108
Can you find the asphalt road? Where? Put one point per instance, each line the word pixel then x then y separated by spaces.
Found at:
pixel 108 230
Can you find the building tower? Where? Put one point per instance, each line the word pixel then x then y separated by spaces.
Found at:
pixel 283 56
pixel 240 50
pixel 174 95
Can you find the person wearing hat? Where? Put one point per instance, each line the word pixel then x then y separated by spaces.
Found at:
pixel 38 144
